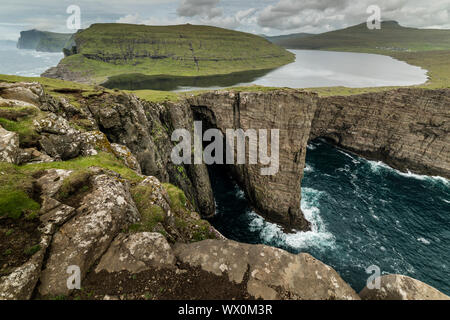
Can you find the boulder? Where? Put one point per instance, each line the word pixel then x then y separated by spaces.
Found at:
pixel 9 146
pixel 398 287
pixel 136 253
pixel 270 273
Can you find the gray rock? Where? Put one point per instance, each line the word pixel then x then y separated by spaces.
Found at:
pixel 103 213
pixel 20 284
pixel 137 252
pixel 398 287
pixel 273 273
pixel 30 92
pixel 9 146
pixel 122 152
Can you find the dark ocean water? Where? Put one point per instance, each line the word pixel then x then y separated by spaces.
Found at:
pixel 363 213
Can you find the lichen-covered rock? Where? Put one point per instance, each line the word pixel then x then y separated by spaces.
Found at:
pixel 54 124
pixel 122 152
pixel 103 213
pixel 398 287
pixel 20 283
pixel 11 103
pixel 32 155
pixel 9 146
pixel 31 92
pixel 136 253
pixel 273 273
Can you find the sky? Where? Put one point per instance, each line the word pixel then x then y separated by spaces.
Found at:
pixel 270 17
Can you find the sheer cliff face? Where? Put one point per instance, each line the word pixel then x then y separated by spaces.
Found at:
pixel 407 128
pixel 276 196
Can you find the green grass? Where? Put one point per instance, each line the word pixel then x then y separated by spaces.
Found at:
pixel 16 181
pixel 105 50
pixel 178 200
pixel 151 214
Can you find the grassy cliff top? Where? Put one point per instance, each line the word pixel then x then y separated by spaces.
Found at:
pixel 105 50
pixel 391 37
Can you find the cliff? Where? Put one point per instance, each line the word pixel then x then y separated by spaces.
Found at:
pixel 408 129
pixel 277 196
pixel 43 40
pixel 86 180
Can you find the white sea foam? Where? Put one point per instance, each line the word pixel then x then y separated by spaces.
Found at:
pixel 423 240
pixel 376 166
pixel 308 168
pixel 319 237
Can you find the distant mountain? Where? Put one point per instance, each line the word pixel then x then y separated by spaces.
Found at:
pixel 392 36
pixel 277 39
pixel 43 40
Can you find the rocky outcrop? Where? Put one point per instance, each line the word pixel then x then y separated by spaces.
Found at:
pixel 102 214
pixel 398 287
pixel 145 128
pixel 407 128
pixel 275 196
pixel 270 273
pixel 25 92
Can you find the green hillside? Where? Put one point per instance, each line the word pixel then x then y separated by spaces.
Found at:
pixel 105 50
pixel 391 37
pixel 278 39
pixel 43 40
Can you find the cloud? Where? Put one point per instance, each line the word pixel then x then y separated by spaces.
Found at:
pixel 206 8
pixel 324 15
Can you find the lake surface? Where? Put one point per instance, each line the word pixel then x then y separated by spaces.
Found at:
pixel 27 63
pixel 362 213
pixel 311 69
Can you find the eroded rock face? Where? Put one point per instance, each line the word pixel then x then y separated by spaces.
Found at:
pixel 272 273
pixel 136 253
pixel 145 129
pixel 277 196
pixel 406 128
pixel 103 213
pixel 9 146
pixel 398 287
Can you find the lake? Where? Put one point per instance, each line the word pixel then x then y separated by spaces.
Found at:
pixel 311 69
